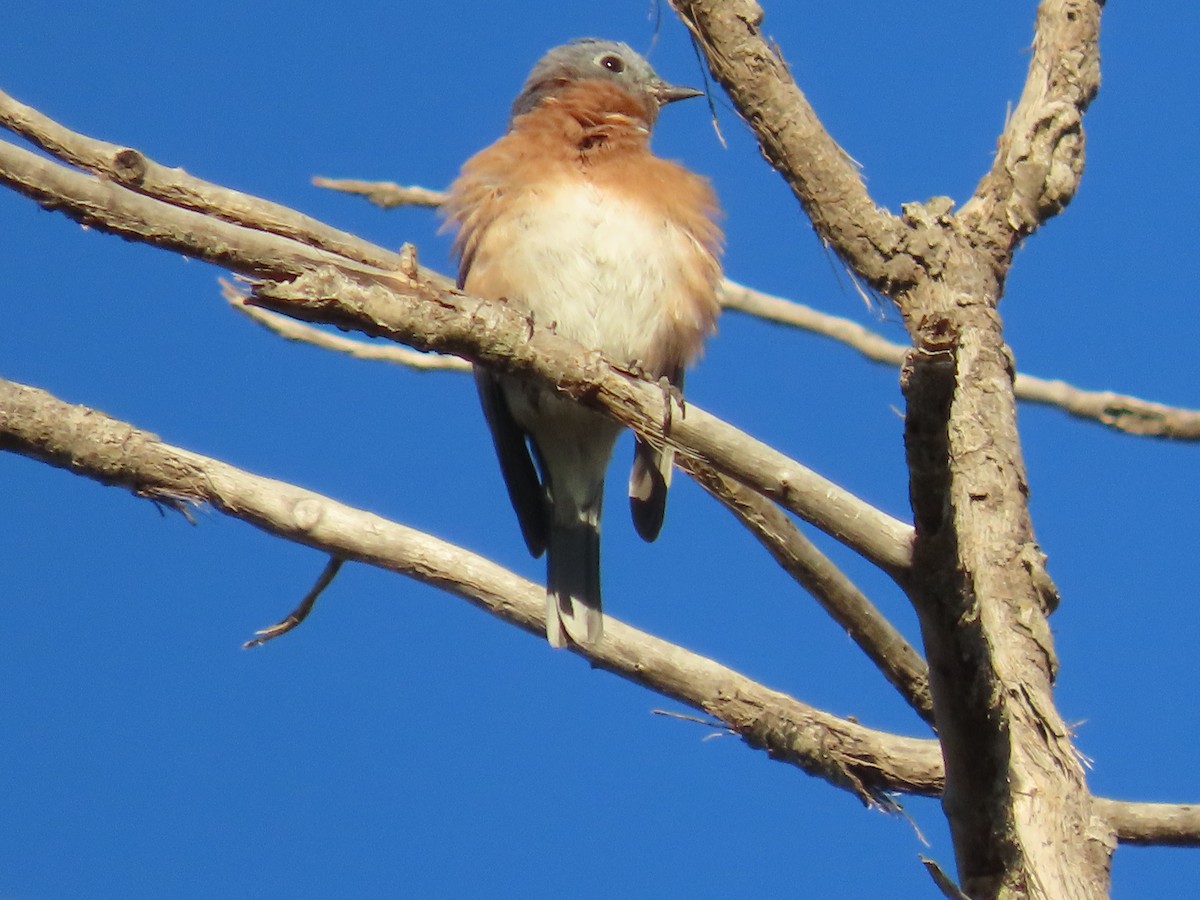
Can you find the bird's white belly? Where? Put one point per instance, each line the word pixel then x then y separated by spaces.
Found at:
pixel 600 268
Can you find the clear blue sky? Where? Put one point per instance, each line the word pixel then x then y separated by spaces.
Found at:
pixel 402 743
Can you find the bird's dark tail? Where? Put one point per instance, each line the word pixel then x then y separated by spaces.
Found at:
pixel 573 581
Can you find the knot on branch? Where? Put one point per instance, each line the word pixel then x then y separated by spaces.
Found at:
pixel 929 225
pixel 129 166
pixel 1034 559
pixel 1045 163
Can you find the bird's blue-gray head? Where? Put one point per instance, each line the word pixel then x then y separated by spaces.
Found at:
pixel 595 59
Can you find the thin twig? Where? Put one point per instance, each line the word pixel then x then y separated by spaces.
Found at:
pixel 303 608
pixel 944 882
pixel 709 723
pixel 1122 412
pixel 291 330
pixel 386 194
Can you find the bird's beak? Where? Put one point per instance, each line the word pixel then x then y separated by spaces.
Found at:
pixel 668 93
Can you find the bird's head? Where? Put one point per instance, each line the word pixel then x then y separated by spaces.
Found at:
pixel 592 59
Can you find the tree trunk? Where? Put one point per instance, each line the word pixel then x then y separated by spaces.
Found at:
pixel 1018 804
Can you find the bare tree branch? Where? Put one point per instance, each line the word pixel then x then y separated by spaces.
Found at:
pixel 90 444
pixel 883 644
pixel 107 206
pixel 1161 824
pixel 821 175
pixel 899 662
pixel 496 335
pixel 1020 811
pixel 1122 412
pixel 1039 157
pixel 86 442
pixel 1017 798
pixel 386 194
pixel 133 170
pixel 796 315
pixel 1131 415
pixel 291 330
pixel 413 306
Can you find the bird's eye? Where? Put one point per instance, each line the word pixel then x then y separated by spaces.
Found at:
pixel 614 64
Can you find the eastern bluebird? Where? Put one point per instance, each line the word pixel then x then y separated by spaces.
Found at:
pixel 570 218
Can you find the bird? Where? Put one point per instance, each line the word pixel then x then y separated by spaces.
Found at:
pixel 570 218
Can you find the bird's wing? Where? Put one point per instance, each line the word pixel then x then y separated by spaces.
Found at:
pixel 525 490
pixel 520 477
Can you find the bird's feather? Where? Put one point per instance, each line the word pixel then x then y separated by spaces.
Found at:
pixel 524 488
pixel 573 581
pixel 650 478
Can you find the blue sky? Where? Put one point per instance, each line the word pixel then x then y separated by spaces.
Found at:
pixel 402 743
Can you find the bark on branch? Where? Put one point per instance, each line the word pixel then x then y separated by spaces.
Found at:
pixel 821 175
pixel 1039 157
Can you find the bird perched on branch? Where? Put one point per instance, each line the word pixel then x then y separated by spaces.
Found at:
pixel 571 219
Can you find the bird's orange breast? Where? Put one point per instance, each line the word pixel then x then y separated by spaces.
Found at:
pixel 572 218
